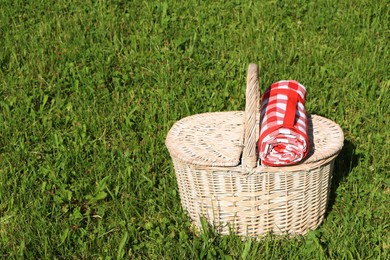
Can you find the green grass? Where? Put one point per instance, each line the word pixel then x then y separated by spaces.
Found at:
pixel 89 90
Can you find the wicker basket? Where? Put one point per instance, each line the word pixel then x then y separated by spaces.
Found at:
pixel 219 177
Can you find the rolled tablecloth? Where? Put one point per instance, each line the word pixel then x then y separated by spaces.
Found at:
pixel 283 124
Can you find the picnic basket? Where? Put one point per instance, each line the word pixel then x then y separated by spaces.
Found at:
pixel 220 178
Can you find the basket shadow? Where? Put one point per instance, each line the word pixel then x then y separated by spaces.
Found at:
pixel 344 163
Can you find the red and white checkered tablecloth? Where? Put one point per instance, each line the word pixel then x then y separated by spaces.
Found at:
pixel 283 124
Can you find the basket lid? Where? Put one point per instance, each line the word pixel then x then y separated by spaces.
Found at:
pixel 326 139
pixel 216 139
pixel 208 139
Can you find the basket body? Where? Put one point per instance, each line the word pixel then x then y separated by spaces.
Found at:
pixel 252 204
pixel 252 201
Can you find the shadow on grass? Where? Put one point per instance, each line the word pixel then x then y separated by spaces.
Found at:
pixel 345 162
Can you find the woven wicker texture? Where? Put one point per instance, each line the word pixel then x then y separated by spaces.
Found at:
pixel 216 139
pixel 252 107
pixel 206 150
pixel 209 139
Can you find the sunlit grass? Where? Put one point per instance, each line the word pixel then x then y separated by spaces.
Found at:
pixel 89 90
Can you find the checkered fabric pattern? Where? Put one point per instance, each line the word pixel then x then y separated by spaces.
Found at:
pixel 283 124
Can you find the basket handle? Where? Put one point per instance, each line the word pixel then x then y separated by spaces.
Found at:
pixel 251 129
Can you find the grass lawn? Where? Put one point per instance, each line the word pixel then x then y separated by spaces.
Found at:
pixel 89 90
